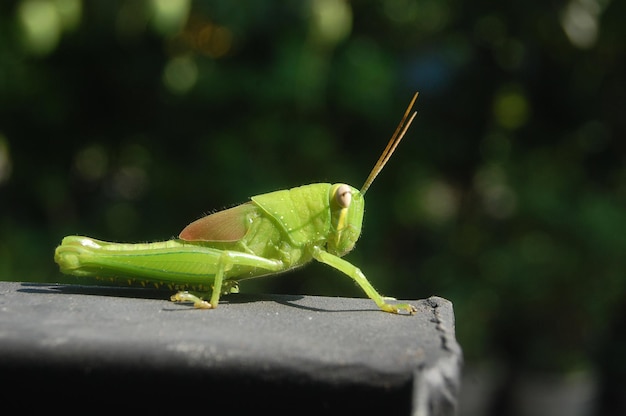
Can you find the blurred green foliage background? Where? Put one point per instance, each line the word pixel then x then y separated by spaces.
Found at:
pixel 126 120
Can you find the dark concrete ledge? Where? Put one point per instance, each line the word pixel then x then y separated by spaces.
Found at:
pixel 288 354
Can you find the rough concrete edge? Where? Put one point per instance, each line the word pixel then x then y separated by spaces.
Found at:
pixel 436 388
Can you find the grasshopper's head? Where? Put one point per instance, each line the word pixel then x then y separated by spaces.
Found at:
pixel 347 203
pixel 346 210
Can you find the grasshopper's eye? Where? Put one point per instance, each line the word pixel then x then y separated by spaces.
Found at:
pixel 343 196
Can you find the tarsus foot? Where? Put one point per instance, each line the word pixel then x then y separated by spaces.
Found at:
pixel 188 297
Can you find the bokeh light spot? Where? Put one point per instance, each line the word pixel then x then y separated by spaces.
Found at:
pixel 180 74
pixel 91 162
pixel 43 21
pixel 580 21
pixel 129 182
pixel 511 108
pixel 331 21
pixel 169 16
pixel 70 12
pixel 499 200
pixel 214 40
pixel 41 26
pixel 438 201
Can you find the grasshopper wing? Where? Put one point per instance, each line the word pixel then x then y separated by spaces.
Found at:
pixel 227 225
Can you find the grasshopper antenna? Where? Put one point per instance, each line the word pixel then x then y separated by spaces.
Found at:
pixel 391 146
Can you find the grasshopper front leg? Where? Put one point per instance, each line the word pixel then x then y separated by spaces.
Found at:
pixel 355 273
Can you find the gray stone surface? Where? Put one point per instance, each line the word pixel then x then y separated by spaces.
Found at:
pixel 287 354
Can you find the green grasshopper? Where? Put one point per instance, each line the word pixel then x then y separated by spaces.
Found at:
pixel 274 232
